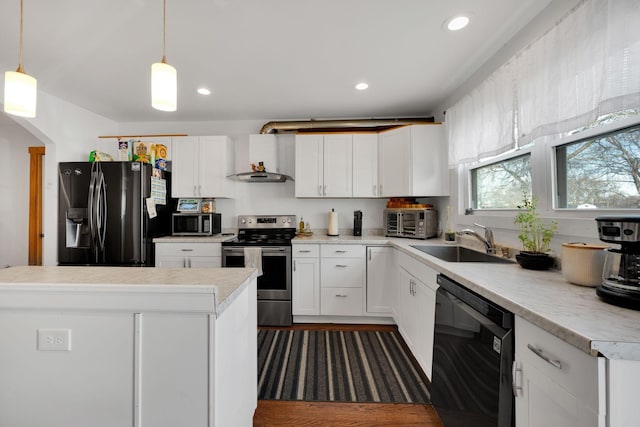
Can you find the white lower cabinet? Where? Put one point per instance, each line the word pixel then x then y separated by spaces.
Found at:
pixel 555 383
pixel 188 255
pixel 342 280
pixel 414 308
pixel 305 281
pixel 381 276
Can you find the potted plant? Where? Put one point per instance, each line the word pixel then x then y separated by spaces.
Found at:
pixel 535 236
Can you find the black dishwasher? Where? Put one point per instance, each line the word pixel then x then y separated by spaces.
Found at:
pixel 472 357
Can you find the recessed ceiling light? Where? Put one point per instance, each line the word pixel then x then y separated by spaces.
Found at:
pixel 204 91
pixel 457 22
pixel 362 86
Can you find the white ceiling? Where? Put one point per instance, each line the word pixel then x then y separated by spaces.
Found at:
pixel 275 59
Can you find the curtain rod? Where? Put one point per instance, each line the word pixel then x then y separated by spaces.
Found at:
pixel 143 136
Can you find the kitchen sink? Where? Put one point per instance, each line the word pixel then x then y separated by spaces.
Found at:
pixel 460 254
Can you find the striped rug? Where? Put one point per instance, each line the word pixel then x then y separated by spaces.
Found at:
pixel 346 366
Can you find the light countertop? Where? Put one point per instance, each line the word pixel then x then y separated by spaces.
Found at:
pixel 573 313
pixel 222 284
pixel 218 238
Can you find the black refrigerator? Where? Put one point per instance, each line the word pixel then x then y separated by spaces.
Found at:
pixel 104 217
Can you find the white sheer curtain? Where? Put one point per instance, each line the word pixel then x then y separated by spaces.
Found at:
pixel 586 66
pixel 482 123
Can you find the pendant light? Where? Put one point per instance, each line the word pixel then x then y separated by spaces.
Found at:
pixel 20 89
pixel 164 88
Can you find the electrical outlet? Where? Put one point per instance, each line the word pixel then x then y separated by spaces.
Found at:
pixel 54 339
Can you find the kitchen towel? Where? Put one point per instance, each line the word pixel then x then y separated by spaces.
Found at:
pixel 253 258
pixel 332 229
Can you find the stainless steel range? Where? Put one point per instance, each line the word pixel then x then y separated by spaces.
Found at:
pixel 272 234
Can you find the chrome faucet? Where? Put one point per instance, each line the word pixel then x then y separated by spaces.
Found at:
pixel 488 241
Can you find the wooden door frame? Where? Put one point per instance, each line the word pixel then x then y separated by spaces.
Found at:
pixel 35 205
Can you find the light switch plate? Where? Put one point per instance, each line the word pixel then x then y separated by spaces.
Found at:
pixel 54 339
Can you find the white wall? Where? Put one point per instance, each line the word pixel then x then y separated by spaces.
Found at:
pixel 14 191
pixel 68 133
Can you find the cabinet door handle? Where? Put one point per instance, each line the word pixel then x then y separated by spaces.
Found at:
pixel 341 296
pixel 341 252
pixel 374 190
pixel 184 262
pixel 186 250
pixel 540 353
pixel 342 265
pixel 325 190
pixel 369 254
pixel 516 373
pixel 306 251
pixel 294 265
pixel 319 190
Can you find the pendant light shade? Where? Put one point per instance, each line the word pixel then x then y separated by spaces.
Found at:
pixel 20 94
pixel 164 89
pixel 164 77
pixel 20 89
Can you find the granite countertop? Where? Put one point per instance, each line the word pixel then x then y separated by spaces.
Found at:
pixel 573 313
pixel 225 284
pixel 218 238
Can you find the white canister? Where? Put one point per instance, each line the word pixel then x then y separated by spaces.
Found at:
pixel 582 263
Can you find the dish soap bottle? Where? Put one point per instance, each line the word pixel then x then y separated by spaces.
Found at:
pixel 301 226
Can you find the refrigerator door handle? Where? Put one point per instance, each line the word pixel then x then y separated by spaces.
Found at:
pixel 92 208
pixel 102 212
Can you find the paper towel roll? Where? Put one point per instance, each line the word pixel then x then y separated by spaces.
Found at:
pixel 332 229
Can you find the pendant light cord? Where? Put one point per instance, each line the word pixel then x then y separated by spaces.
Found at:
pixel 164 30
pixel 20 69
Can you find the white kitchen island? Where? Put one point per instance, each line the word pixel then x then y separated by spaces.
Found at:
pixel 113 346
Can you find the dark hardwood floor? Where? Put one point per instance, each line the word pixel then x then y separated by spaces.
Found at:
pixel 295 413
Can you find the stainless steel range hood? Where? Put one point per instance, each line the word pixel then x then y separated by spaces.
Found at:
pixel 272 151
pixel 261 177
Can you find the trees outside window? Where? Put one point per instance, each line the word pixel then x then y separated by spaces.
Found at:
pixel 501 185
pixel 601 172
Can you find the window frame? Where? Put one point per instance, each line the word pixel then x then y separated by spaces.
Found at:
pixel 511 155
pixel 573 222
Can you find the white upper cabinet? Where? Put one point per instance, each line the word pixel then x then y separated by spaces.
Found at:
pixel 413 162
pixel 200 166
pixel 323 165
pixel 365 165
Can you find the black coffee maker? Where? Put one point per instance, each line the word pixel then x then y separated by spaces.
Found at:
pixel 357 223
pixel 621 272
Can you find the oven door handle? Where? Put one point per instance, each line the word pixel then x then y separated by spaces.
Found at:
pixel 265 251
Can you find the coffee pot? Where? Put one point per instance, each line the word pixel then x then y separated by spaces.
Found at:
pixel 621 271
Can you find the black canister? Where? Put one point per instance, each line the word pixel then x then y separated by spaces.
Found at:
pixel 357 223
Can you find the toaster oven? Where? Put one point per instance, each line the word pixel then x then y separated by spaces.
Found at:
pixel 415 223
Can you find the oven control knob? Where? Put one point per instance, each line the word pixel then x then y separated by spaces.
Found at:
pixel 289 220
pixel 250 220
pixel 243 220
pixel 421 223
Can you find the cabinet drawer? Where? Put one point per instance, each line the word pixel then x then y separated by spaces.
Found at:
pixel 339 272
pixel 306 251
pixel 342 251
pixel 188 249
pixel 577 372
pixel 342 301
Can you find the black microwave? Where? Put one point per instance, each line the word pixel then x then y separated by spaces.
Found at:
pixel 196 224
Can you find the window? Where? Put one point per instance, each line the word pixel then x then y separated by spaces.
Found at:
pixel 600 172
pixel 501 185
